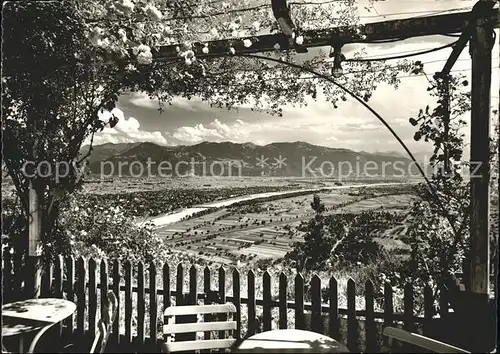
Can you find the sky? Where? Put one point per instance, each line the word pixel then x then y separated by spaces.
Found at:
pixel 351 126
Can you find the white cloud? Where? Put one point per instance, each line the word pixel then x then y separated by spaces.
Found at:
pixel 215 131
pixel 143 100
pixel 126 131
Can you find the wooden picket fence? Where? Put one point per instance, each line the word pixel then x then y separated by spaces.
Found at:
pixel 86 282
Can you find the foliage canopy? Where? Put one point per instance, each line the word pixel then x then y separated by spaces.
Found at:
pixel 65 63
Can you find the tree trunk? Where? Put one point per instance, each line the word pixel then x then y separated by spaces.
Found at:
pixel 33 261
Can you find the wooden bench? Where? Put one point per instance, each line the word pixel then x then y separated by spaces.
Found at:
pixel 172 328
pixel 420 341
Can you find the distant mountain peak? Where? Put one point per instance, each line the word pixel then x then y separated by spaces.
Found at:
pixel 390 153
pixel 297 158
pixel 250 145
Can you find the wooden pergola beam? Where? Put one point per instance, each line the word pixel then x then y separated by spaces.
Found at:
pixel 481 9
pixel 457 50
pixel 377 31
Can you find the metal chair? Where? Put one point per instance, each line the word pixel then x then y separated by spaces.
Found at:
pixel 172 328
pixel 104 326
pixel 420 341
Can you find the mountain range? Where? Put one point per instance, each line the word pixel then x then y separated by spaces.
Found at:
pixel 290 159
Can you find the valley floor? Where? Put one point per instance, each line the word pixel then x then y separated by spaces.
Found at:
pixel 267 230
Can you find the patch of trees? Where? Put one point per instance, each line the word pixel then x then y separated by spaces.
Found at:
pixel 341 239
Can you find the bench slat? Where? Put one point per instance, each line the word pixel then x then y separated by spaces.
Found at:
pixel 199 327
pixel 199 345
pixel 421 341
pixel 202 309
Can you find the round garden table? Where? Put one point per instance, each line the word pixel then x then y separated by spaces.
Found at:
pixel 290 341
pixel 33 315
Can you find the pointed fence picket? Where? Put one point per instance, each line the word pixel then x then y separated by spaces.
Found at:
pixel 86 282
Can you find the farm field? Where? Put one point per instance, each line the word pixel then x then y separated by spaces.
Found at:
pixel 134 184
pixel 120 185
pixel 115 185
pixel 395 203
pixel 243 235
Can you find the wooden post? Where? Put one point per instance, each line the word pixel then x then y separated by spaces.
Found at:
pixel 480 49
pixel 34 244
pixel 478 305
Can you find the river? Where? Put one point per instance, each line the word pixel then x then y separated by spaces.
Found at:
pixel 178 215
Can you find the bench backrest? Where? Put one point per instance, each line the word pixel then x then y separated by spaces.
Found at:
pixel 421 341
pixel 173 328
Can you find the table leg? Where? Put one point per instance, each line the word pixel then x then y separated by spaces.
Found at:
pixel 37 337
pixel 21 344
